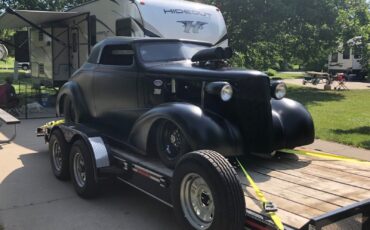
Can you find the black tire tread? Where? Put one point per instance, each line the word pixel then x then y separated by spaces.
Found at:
pixel 64 175
pixel 229 177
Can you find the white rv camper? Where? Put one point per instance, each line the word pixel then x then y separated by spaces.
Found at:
pixel 60 42
pixel 347 60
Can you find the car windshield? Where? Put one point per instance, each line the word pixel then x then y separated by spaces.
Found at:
pixel 169 51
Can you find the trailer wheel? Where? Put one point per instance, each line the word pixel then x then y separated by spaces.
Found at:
pixel 206 192
pixel 59 150
pixel 171 143
pixel 69 110
pixel 82 170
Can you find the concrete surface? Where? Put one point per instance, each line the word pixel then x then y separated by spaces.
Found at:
pixel 339 149
pixel 350 85
pixel 32 198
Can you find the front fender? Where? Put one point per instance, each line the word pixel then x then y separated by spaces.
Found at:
pixel 292 124
pixel 72 90
pixel 202 130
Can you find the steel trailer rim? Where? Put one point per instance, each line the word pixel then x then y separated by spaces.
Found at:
pixel 197 201
pixel 57 156
pixel 79 170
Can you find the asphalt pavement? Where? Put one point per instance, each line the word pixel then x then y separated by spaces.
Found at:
pixel 32 198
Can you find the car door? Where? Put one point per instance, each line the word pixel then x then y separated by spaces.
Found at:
pixel 115 85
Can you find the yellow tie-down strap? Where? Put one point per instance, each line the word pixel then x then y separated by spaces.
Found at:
pixel 264 203
pixel 42 131
pixel 329 156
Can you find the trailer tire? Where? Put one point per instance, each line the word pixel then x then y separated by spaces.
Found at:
pixel 59 151
pixel 82 170
pixel 205 181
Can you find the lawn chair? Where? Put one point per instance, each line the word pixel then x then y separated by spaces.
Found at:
pixel 8 103
pixel 341 82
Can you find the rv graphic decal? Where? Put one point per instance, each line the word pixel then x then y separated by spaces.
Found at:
pixel 191 26
pixel 180 11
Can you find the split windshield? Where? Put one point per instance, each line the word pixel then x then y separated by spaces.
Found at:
pixel 169 51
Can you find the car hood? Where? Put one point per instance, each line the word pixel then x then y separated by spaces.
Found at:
pixel 188 69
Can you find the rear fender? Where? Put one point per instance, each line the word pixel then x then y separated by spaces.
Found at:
pixel 72 90
pixel 202 130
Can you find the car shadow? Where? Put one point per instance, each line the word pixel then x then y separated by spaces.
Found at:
pixel 310 96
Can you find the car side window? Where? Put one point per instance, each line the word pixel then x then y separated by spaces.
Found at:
pixel 122 55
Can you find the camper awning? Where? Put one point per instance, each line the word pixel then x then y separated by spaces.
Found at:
pixel 9 20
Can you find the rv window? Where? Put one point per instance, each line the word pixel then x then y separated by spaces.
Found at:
pixel 346 53
pixel 334 57
pixel 117 55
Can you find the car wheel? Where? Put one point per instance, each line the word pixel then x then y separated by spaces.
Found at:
pixel 69 110
pixel 206 193
pixel 59 150
pixel 82 170
pixel 171 143
pixel 25 67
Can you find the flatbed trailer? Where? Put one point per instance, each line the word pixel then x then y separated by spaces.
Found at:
pixel 310 192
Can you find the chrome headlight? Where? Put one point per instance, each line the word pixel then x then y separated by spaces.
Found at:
pixel 278 90
pixel 226 92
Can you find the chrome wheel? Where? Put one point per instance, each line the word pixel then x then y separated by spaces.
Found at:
pixel 57 156
pixel 79 170
pixel 197 201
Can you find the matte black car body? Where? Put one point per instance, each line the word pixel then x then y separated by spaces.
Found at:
pixel 129 100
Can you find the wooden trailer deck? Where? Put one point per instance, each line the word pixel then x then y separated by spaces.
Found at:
pixel 304 187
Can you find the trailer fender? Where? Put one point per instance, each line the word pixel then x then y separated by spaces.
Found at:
pixel 96 146
pixel 202 130
pixel 72 90
pixel 292 123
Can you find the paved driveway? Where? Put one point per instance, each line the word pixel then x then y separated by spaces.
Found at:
pixel 31 197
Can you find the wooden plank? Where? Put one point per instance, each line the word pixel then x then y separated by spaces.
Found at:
pixel 288 205
pixel 320 172
pixel 288 219
pixel 324 199
pixel 7 118
pixel 338 167
pixel 328 162
pixel 321 184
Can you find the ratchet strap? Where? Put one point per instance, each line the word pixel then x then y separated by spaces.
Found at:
pixel 328 156
pixel 267 206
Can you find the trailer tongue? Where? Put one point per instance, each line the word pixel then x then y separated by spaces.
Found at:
pixel 309 192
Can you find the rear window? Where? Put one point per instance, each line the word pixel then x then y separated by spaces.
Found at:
pixel 122 55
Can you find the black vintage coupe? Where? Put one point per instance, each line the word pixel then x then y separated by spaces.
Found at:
pixel 169 97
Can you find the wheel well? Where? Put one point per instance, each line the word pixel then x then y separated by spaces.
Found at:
pixel 61 104
pixel 151 145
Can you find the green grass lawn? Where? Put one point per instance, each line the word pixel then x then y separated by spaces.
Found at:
pixel 9 63
pixel 289 75
pixel 342 117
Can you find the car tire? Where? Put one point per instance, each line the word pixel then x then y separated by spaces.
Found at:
pixel 170 143
pixel 206 192
pixel 69 110
pixel 25 67
pixel 58 151
pixel 82 170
